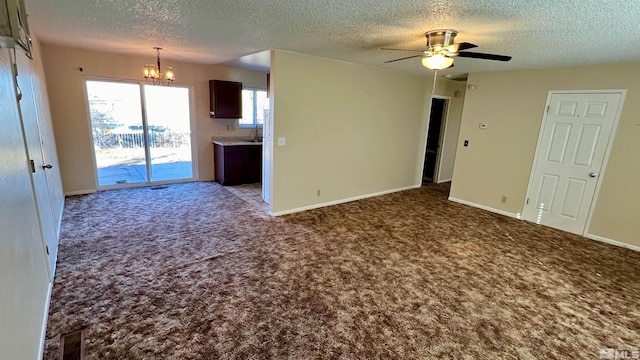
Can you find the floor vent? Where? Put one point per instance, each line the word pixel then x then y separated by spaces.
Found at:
pixel 72 346
pixel 158 187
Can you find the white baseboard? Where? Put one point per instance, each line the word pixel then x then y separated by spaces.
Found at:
pixel 588 236
pixel 497 211
pixel 80 192
pixel 45 318
pixel 341 201
pixel 612 242
pixel 440 181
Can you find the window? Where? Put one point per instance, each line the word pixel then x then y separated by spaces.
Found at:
pixel 253 105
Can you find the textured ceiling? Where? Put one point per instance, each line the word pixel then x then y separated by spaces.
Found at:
pixel 537 33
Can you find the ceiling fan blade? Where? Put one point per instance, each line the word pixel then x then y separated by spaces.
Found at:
pixel 413 50
pixel 465 46
pixel 404 58
pixel 476 55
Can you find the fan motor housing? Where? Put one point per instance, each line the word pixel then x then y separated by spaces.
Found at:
pixel 440 38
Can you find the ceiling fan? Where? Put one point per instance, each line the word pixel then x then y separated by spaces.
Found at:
pixel 441 50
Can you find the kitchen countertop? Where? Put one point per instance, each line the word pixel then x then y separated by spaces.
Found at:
pixel 235 142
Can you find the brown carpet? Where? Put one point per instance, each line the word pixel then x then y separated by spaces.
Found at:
pixel 194 272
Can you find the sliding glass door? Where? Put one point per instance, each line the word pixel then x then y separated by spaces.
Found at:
pixel 168 132
pixel 141 133
pixel 118 140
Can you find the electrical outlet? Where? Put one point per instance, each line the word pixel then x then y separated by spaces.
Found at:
pixel 466 143
pixel 503 199
pixel 282 141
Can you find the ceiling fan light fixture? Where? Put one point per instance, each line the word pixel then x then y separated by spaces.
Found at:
pixel 441 49
pixel 437 62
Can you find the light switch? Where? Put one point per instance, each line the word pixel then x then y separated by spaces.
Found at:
pixel 466 143
pixel 282 141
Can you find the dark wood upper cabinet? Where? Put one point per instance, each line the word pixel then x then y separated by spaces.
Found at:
pixel 225 99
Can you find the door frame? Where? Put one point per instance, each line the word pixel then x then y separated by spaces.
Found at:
pixel 192 127
pixel 441 136
pixel 605 160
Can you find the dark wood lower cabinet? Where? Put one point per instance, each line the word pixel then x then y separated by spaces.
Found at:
pixel 254 163
pixel 237 164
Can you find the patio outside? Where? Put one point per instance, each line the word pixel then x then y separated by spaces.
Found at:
pixel 117 167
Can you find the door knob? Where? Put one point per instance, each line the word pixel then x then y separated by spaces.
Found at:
pixel 593 174
pixel 47 166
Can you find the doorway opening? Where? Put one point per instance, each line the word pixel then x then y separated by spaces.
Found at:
pixel 141 133
pixel 437 119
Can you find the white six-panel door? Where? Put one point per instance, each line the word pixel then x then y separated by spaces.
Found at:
pixel 575 136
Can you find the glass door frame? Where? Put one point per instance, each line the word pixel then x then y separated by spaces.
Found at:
pixel 149 182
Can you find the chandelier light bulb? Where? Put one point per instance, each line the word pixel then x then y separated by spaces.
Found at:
pixel 169 75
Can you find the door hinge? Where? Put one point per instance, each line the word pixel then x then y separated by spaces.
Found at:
pixel 527 201
pixel 33 166
pixel 548 107
pixel 46 247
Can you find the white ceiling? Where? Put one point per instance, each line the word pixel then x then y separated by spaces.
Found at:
pixel 537 33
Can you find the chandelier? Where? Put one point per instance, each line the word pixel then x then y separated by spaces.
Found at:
pixel 154 72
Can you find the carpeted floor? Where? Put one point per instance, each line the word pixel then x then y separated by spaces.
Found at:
pixel 192 271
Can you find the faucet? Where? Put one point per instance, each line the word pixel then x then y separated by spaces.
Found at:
pixel 256 137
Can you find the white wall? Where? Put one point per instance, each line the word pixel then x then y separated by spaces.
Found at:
pixel 69 111
pixel 498 160
pixel 24 278
pixel 350 130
